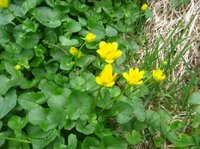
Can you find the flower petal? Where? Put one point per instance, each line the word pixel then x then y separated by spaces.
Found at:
pixel 126 76
pixel 102 44
pixel 99 81
pixel 110 84
pixel 115 45
pixel 109 61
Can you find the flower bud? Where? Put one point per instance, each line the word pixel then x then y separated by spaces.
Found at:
pixel 4 3
pixel 90 37
pixel 144 7
pixel 18 67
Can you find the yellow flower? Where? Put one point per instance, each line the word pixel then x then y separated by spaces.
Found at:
pixel 106 77
pixel 90 37
pixel 79 54
pixel 134 77
pixel 158 75
pixel 18 67
pixel 109 51
pixel 75 52
pixel 144 7
pixel 4 3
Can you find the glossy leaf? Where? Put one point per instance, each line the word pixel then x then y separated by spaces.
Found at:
pixel 7 103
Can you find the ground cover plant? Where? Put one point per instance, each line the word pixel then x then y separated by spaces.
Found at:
pixel 72 76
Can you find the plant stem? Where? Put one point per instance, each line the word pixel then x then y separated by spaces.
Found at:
pixel 28 5
pixel 56 46
pixel 82 46
pixel 79 50
pixel 98 93
pixel 97 97
pixel 14 139
pixel 114 99
pixel 15 16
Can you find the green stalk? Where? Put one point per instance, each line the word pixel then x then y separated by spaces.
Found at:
pixel 15 16
pixel 14 139
pixel 114 99
pixel 56 46
pixel 28 5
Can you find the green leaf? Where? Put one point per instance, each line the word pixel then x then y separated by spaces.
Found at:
pixel 5 17
pixel 90 84
pixel 4 85
pixel 30 100
pixel 164 115
pixel 27 84
pixel 72 26
pixel 194 98
pixel 138 109
pixel 24 39
pixel 68 42
pixel 66 64
pixel 82 100
pixel 4 36
pixel 39 50
pixel 47 16
pixel 1 124
pixel 24 62
pixel 49 88
pixel 85 129
pixel 30 26
pixel 134 137
pixel 51 66
pixel 72 141
pixel 85 60
pixel 97 29
pixel 184 141
pixel 114 91
pixel 17 123
pixel 37 116
pixel 90 142
pixel 16 10
pixel 148 14
pixel 41 142
pixel 59 102
pixel 177 3
pixel 31 4
pixel 80 7
pixel 47 119
pixel 50 36
pixel 111 31
pixel 69 124
pixel 80 104
pixel 196 120
pixel 105 98
pixel 111 142
pixel 7 103
pixel 10 68
pixel 77 82
pixel 58 54
pixel 13 47
pixel 152 118
pixel 158 141
pixel 28 53
pixel 124 112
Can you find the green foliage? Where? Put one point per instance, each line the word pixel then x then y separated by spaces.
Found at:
pixel 177 3
pixel 49 97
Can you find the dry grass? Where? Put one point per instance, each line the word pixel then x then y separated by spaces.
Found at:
pixel 166 19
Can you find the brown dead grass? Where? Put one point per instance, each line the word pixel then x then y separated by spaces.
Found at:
pixel 165 20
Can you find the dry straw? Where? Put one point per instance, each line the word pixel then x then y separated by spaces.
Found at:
pixel 166 19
